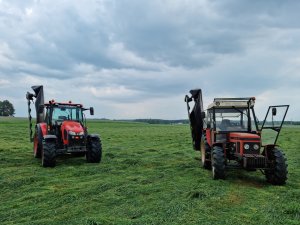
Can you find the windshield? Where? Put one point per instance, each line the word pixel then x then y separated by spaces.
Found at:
pixel 66 113
pixel 232 119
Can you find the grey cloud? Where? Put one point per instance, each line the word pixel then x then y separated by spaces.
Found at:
pixel 69 37
pixel 145 52
pixel 199 37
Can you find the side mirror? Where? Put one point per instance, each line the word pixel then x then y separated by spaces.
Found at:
pixel 92 111
pixel 203 114
pixel 41 109
pixel 274 111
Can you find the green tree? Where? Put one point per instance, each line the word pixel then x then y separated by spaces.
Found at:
pixel 6 108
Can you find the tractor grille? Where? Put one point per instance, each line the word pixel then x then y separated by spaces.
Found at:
pixel 254 161
pixel 76 141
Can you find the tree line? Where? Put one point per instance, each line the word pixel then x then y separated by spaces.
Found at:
pixel 161 121
pixel 6 108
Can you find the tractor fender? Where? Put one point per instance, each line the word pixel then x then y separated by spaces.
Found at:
pixel 50 138
pixel 42 127
pixel 207 133
pixel 93 136
pixel 267 149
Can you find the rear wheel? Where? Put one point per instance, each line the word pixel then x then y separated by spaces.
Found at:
pixel 48 154
pixel 37 143
pixel 94 150
pixel 205 154
pixel 277 174
pixel 218 163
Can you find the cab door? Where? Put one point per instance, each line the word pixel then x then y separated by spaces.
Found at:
pixel 272 124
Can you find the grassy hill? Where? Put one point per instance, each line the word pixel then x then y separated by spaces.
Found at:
pixel 149 175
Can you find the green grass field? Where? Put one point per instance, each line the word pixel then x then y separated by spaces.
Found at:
pixel 149 174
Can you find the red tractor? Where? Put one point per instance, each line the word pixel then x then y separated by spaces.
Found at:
pixel 61 130
pixel 228 136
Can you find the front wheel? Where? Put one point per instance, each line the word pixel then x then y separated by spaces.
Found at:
pixel 277 173
pixel 94 150
pixel 218 163
pixel 48 154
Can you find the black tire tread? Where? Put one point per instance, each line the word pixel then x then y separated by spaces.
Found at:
pixel 94 150
pixel 218 162
pixel 48 157
pixel 207 163
pixel 39 135
pixel 278 174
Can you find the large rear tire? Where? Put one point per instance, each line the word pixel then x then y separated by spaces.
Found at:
pixel 218 163
pixel 94 150
pixel 38 142
pixel 277 174
pixel 205 154
pixel 48 154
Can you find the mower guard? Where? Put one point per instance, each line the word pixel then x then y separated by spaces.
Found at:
pixel 196 116
pixel 39 100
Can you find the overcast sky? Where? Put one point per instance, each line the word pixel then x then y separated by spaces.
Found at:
pixel 137 58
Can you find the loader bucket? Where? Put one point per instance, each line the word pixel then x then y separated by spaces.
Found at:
pixel 196 116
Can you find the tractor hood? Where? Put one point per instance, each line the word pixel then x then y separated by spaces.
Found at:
pixel 244 136
pixel 72 126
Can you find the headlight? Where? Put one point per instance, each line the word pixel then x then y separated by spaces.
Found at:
pixel 256 146
pixel 72 133
pixel 246 146
pixel 81 133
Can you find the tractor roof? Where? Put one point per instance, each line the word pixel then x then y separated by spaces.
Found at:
pixel 230 102
pixel 70 104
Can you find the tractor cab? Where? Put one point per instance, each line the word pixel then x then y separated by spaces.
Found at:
pixel 61 113
pixel 66 121
pixel 230 119
pixel 231 123
pixel 228 115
